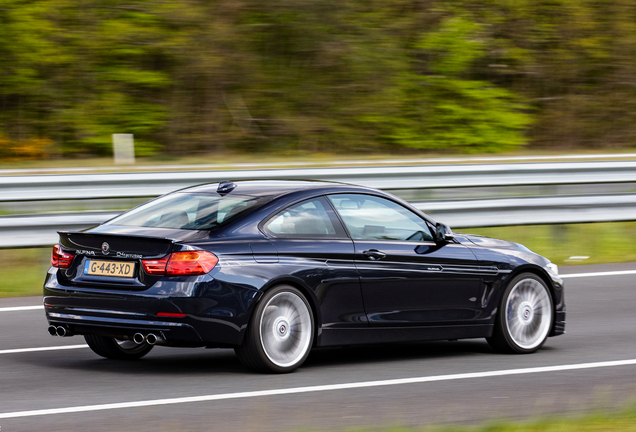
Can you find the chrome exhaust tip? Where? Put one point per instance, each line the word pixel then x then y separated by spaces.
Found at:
pixel 151 339
pixel 138 338
pixel 52 330
pixel 61 331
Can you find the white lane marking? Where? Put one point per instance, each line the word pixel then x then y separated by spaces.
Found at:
pixel 318 388
pixel 53 348
pixel 610 273
pixel 20 308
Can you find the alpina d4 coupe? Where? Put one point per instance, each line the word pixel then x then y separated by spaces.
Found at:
pixel 274 268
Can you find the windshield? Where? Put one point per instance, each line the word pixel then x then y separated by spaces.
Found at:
pixel 188 211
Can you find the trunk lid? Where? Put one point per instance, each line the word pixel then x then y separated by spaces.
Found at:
pixel 109 245
pixel 111 261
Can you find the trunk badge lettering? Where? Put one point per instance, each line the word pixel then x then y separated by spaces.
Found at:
pixel 127 255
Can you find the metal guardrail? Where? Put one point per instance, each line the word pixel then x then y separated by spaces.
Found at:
pixel 122 185
pixel 40 229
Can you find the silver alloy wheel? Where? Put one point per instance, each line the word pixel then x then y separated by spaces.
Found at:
pixel 528 313
pixel 285 329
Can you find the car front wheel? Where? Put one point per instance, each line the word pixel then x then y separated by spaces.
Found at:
pixel 281 332
pixel 525 316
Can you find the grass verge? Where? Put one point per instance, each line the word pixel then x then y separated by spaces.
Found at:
pixel 594 243
pixel 624 421
pixel 23 270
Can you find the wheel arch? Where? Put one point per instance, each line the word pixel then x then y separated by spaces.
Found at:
pixel 541 274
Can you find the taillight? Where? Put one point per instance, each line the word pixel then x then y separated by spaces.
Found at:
pixel 59 258
pixel 189 263
pixel 156 266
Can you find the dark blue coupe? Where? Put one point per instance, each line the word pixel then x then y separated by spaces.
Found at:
pixel 274 268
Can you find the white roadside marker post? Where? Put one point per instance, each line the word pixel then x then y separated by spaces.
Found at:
pixel 124 149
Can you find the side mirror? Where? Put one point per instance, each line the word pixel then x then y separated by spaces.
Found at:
pixel 443 232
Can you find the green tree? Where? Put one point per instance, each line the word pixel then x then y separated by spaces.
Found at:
pixel 197 76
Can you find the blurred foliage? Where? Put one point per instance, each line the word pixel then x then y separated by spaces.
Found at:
pixel 30 149
pixel 195 76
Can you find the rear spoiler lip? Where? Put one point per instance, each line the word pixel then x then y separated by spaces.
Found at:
pixel 118 235
pixel 162 245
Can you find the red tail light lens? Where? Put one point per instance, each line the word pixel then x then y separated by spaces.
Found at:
pixel 59 258
pixel 156 266
pixel 189 263
pixel 171 314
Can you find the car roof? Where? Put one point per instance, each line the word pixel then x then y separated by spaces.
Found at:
pixel 275 188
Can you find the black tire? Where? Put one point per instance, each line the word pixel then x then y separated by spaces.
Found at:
pixel 115 349
pixel 280 333
pixel 525 316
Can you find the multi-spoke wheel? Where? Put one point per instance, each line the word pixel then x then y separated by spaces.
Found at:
pixel 117 349
pixel 525 316
pixel 280 333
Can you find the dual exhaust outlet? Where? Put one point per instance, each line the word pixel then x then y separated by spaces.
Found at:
pixel 138 338
pixel 150 338
pixel 60 331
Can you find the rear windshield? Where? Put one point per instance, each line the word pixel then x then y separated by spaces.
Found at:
pixel 188 211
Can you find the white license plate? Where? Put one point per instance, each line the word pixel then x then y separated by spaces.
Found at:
pixel 109 268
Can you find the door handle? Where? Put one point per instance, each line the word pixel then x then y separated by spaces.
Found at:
pixel 374 254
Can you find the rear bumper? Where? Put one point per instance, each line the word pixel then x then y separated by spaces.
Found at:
pixel 173 333
pixel 216 318
pixel 186 331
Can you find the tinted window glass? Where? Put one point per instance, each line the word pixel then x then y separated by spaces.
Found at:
pixel 307 219
pixel 369 217
pixel 188 211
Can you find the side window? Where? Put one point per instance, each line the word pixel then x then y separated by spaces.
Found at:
pixel 369 217
pixel 308 219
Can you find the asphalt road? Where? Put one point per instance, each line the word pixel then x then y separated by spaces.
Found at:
pixel 438 386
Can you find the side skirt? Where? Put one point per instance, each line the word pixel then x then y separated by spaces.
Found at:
pixel 369 335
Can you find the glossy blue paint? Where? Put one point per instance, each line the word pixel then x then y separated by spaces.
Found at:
pixel 430 290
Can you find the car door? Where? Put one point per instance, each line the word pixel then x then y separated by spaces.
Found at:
pixel 313 247
pixel 406 277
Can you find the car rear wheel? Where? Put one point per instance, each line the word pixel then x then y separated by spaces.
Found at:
pixel 117 349
pixel 281 332
pixel 525 316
